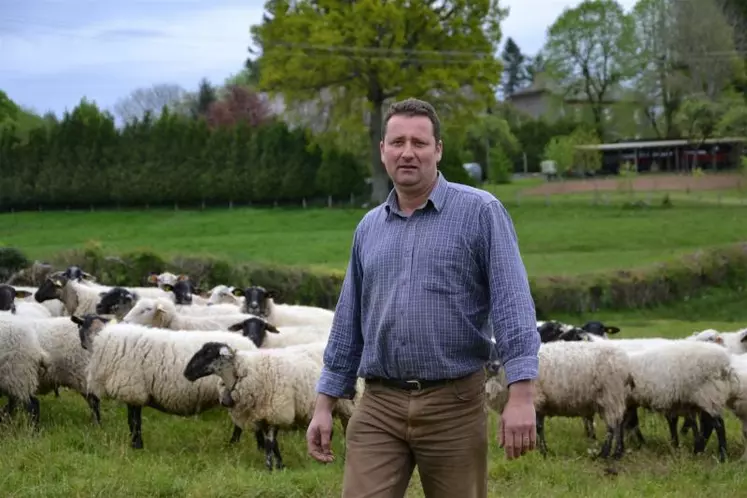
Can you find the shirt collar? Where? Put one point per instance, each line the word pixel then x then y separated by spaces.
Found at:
pixel 437 196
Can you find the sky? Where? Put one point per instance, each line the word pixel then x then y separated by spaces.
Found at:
pixel 54 52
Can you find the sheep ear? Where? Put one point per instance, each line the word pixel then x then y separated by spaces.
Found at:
pixel 611 330
pixel 20 294
pixel 271 328
pixel 225 352
pixel 181 277
pixel 744 336
pixel 153 278
pixel 236 327
pixel 102 294
pixel 76 320
pixel 237 292
pixel 57 282
pixel 719 340
pixel 89 277
pixel 160 309
pixel 168 287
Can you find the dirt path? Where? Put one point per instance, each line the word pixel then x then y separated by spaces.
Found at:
pixel 641 183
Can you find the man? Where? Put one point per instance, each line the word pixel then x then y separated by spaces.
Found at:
pixel 429 270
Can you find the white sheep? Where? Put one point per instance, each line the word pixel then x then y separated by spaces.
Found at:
pixel 261 302
pixel 224 294
pixel 681 378
pixel 267 388
pixel 215 309
pixel 59 338
pixel 162 279
pixel 23 363
pixel 78 299
pixel 576 379
pixel 26 295
pixel 735 342
pixel 162 313
pixel 257 328
pixel 142 366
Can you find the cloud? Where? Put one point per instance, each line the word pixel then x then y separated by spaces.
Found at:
pixel 198 41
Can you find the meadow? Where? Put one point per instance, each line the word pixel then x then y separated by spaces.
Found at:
pixel 191 457
pixel 561 234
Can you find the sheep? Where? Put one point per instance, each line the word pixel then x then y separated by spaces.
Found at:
pixel 162 313
pixel 163 278
pixel 26 295
pixel 682 378
pixel 142 366
pixel 67 361
pixel 118 302
pixel 260 301
pixel 576 379
pixel 184 292
pixel 23 363
pixel 256 329
pixel 8 304
pixel 79 299
pixel 209 310
pixel 735 342
pixel 267 388
pixel 224 294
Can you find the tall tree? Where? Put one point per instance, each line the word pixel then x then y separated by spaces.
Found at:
pixel 515 71
pixel 588 53
pixel 534 66
pixel 239 105
pixel 206 95
pixel 152 100
pixel 367 52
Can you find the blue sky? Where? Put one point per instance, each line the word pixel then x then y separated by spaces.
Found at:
pixel 53 52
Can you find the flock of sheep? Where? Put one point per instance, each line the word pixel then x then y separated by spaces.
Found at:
pixel 181 351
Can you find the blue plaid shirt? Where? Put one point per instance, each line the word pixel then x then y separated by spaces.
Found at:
pixel 419 290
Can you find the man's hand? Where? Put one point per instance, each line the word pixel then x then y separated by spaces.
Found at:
pixel 518 433
pixel 319 433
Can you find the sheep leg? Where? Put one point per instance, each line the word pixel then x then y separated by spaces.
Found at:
pixel 273 436
pixel 10 408
pixel 135 421
pixel 236 436
pixel 267 437
pixel 701 437
pixel 32 406
pixel 93 404
pixel 619 433
pixel 718 423
pixel 672 421
pixel 689 423
pixel 589 426
pixel 607 445
pixel 541 434
pixel 259 435
pixel 631 423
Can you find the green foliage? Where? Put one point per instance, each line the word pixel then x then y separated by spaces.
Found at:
pixel 561 150
pixel 501 167
pixel 515 71
pixel 589 51
pixel 362 54
pixel 84 161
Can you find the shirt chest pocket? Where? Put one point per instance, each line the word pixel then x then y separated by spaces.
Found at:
pixel 445 268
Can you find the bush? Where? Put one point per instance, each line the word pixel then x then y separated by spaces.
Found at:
pixel 659 284
pixel 11 260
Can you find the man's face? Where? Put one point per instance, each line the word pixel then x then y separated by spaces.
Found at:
pixel 409 151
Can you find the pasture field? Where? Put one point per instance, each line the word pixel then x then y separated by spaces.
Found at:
pixel 560 234
pixel 190 457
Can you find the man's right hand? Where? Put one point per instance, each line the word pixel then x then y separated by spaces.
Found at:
pixel 319 433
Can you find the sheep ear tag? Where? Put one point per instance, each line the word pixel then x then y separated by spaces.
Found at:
pixel 224 352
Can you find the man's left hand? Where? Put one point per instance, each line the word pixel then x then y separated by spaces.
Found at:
pixel 518 433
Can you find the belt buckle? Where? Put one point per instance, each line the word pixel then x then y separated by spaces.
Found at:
pixel 417 384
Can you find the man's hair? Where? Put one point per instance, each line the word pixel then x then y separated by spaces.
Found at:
pixel 413 107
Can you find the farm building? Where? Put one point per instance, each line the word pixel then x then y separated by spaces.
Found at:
pixel 714 154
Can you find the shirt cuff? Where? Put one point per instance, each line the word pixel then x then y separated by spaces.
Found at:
pixel 522 368
pixel 336 385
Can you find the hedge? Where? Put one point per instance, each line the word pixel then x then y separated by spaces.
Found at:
pixel 652 286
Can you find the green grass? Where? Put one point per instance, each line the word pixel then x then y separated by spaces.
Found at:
pixel 190 457
pixel 568 236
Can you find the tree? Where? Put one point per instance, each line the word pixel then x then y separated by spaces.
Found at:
pixel 367 52
pixel 240 104
pixel 534 66
pixel 152 99
pixel 660 83
pixel 588 52
pixel 515 71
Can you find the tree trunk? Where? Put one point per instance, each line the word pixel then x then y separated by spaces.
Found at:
pixel 379 177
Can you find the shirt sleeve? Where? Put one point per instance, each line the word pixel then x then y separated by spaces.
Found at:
pixel 342 355
pixel 512 309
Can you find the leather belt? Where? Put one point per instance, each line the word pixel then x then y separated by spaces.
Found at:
pixel 407 385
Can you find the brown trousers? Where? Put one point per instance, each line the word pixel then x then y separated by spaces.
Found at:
pixel 443 430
